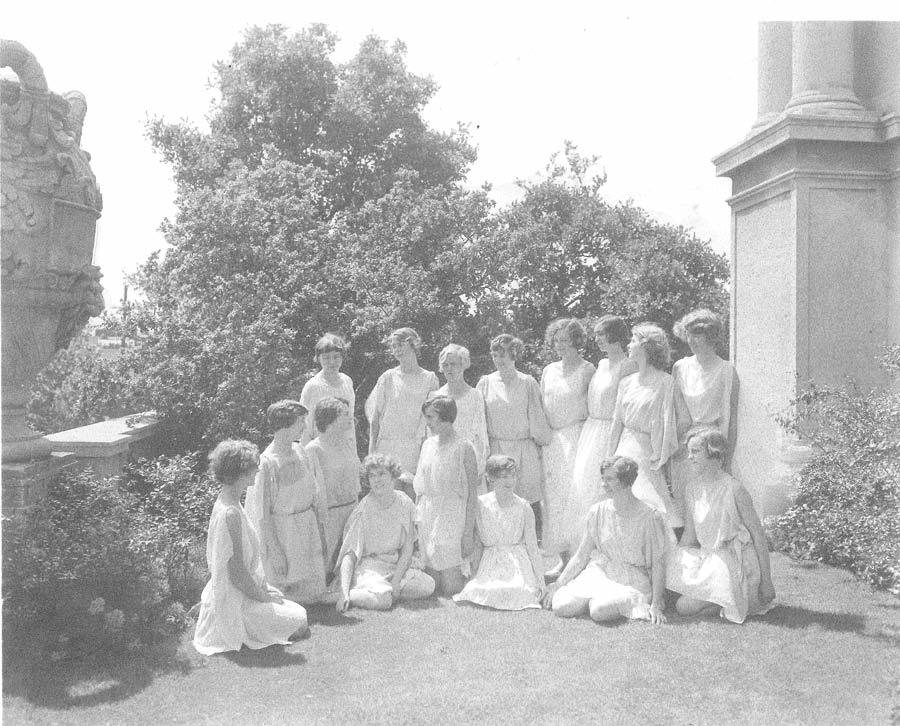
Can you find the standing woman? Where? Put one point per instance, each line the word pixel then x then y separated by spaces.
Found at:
pixel 612 335
pixel 446 487
pixel 328 382
pixel 394 408
pixel 564 391
pixel 470 422
pixel 644 419
pixel 516 423
pixel 705 394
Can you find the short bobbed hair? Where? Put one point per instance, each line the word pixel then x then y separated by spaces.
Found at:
pixel 444 407
pixel 380 461
pixel 401 334
pixel 654 342
pixel 572 326
pixel 330 343
pixel 614 329
pixel 713 442
pixel 699 322
pixel 509 344
pixel 455 351
pixel 232 459
pixel 500 465
pixel 625 467
pixel 284 413
pixel 328 410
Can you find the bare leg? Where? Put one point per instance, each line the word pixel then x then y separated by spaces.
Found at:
pixel 449 581
pixel 366 600
pixel 557 569
pixel 605 609
pixel 416 585
pixel 566 605
pixel 689 606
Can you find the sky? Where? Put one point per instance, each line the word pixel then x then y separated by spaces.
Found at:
pixel 656 91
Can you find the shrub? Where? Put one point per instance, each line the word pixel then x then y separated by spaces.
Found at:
pixel 87 564
pixel 847 508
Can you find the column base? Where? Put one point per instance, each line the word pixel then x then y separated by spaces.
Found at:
pixel 25 483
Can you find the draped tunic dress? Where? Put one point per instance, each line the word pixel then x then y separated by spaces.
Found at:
pixel 646 411
pixel 517 426
pixel 505 579
pixel 706 394
pixel 565 398
pixel 724 569
pixel 317 388
pixel 471 422
pixel 286 492
pixel 338 470
pixel 397 399
pixel 624 548
pixel 229 619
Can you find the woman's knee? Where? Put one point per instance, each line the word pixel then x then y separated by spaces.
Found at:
pixel 417 586
pixel 603 610
pixel 366 600
pixel 567 606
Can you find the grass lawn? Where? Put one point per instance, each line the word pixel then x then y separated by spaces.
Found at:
pixel 827 655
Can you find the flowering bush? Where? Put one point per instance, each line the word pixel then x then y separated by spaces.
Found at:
pixel 88 564
pixel 847 508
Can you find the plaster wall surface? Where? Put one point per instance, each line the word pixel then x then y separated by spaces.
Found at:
pixel 763 319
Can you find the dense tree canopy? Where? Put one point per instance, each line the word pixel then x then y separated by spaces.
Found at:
pixel 319 199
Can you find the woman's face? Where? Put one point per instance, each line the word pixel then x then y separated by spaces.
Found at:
pixel 452 368
pixel 506 482
pixel 331 361
pixel 433 420
pixel 502 359
pixel 343 422
pixel 611 480
pixel 399 347
pixel 562 343
pixel 698 343
pixel 245 480
pixel 298 427
pixel 636 351
pixel 380 481
pixel 697 455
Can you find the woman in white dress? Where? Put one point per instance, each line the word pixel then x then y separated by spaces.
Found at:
pixel 446 489
pixel 238 607
pixel 644 427
pixel 288 507
pixel 612 335
pixel 375 561
pixel 516 423
pixel 564 392
pixel 336 465
pixel 394 408
pixel 470 422
pixel 619 568
pixel 329 382
pixel 722 562
pixel 705 392
pixel 508 563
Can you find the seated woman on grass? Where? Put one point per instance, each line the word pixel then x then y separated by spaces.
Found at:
pixel 619 567
pixel 722 563
pixel 375 557
pixel 510 572
pixel 238 607
pixel 446 486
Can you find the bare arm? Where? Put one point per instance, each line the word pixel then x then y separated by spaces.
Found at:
pixel 658 587
pixel 471 466
pixel 406 553
pixel 374 428
pixel 689 536
pixel 573 567
pixel 683 419
pixel 534 553
pixel 754 526
pixel 237 571
pixel 477 553
pixel 348 565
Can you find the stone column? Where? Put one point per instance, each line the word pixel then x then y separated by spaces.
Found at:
pixel 814 230
pixel 774 71
pixel 822 69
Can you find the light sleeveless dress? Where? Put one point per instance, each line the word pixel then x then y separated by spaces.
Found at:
pixel 624 548
pixel 649 436
pixel 442 489
pixel 471 423
pixel 317 388
pixel 338 470
pixel 725 569
pixel 376 535
pixel 229 619
pixel 707 396
pixel 517 426
pixel 505 579
pixel 286 489
pixel 565 398
pixel 397 398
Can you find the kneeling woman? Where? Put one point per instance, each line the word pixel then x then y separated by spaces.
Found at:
pixel 374 561
pixel 722 563
pixel 510 573
pixel 619 568
pixel 238 607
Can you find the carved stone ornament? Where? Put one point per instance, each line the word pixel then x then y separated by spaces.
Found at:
pixel 50 206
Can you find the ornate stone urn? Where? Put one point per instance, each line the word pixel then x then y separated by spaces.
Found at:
pixel 50 207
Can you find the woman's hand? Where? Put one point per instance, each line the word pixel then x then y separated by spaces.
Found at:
pixel 548 593
pixel 656 614
pixel 343 603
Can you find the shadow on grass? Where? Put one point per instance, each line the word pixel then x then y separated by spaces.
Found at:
pixel 427 603
pixel 85 680
pixel 275 656
pixel 327 616
pixel 790 616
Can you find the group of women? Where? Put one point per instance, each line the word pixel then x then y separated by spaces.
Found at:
pixel 609 463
